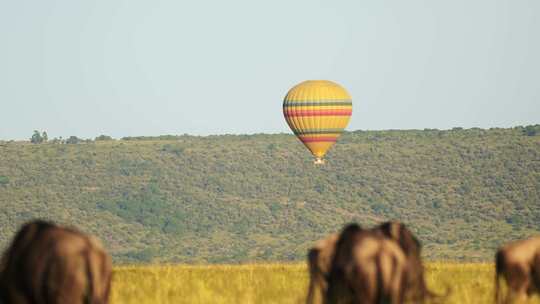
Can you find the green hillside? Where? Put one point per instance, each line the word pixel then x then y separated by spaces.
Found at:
pixel 259 197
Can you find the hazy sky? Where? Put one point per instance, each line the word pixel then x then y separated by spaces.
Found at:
pixel 126 68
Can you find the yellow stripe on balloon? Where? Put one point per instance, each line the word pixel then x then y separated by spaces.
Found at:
pixel 316 90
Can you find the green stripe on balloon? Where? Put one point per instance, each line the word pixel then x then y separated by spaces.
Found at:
pixel 325 103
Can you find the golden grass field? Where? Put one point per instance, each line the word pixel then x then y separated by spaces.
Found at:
pixel 273 283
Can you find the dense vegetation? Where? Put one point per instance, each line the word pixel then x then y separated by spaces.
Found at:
pixel 239 198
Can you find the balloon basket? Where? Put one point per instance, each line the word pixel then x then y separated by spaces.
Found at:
pixel 319 161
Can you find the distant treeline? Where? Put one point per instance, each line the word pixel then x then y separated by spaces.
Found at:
pixel 37 137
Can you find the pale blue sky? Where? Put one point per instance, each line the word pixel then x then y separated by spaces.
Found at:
pixel 127 68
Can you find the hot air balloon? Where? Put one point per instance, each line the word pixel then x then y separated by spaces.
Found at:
pixel 317 111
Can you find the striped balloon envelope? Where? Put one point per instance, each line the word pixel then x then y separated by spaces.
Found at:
pixel 317 111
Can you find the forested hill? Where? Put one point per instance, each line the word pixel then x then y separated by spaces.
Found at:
pixel 242 198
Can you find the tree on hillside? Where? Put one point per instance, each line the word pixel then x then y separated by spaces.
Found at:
pixel 73 140
pixel 531 130
pixel 103 137
pixel 36 138
pixel 44 136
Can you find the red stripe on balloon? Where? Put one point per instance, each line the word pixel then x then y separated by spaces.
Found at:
pixel 344 112
pixel 318 139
